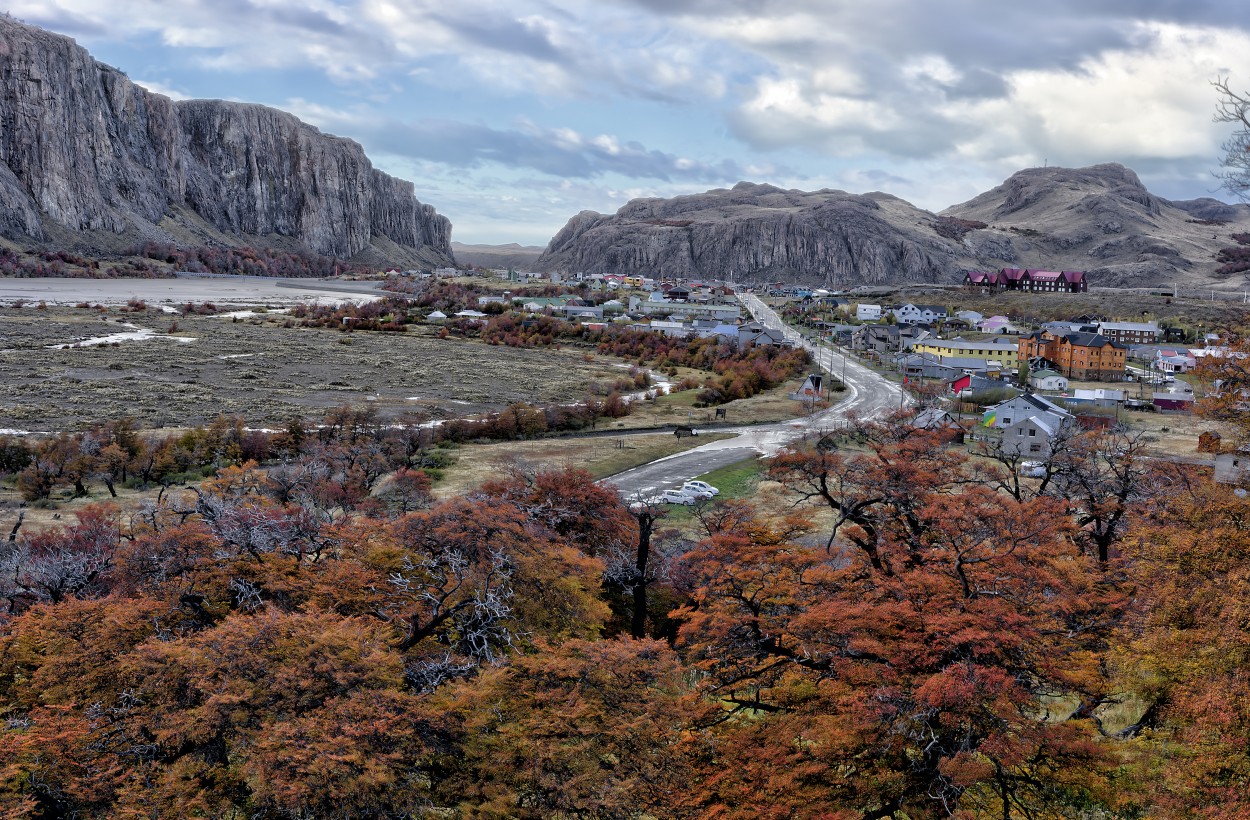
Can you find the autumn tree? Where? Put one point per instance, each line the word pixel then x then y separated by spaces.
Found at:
pixel 592 729
pixel 1186 655
pixel 906 664
pixel 1101 474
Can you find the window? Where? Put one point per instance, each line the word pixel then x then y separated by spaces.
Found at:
pixel 1032 433
pixel 1035 448
pixel 1019 431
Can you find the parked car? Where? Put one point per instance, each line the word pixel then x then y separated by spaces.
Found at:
pixel 678 497
pixel 638 504
pixel 700 488
pixel 1032 469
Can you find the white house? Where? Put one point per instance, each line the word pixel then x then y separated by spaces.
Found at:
pixel 970 316
pixel 1101 396
pixel 867 313
pixel 1032 435
pixel 910 314
pixel 1048 380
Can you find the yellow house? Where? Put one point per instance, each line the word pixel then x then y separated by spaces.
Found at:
pixel 1005 354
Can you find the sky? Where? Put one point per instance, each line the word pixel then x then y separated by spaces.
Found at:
pixel 511 116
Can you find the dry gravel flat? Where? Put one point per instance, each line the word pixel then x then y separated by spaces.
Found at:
pixel 256 368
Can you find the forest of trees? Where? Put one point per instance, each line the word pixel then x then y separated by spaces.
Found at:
pixel 927 636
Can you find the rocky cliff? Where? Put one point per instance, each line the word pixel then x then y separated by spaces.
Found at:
pixel 88 158
pixel 1099 219
pixel 760 231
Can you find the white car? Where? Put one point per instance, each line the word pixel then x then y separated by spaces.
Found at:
pixel 700 488
pixel 678 497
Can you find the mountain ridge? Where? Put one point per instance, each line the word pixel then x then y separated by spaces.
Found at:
pixel 92 160
pixel 1099 219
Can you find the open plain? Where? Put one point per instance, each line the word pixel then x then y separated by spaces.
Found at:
pixel 66 367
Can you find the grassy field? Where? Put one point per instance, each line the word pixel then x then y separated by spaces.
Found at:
pixel 738 480
pixel 678 409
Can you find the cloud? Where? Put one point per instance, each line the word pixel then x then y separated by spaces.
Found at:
pixel 163 88
pixel 559 152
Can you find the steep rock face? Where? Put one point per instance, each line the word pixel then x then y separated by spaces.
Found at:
pixel 83 147
pixel 752 232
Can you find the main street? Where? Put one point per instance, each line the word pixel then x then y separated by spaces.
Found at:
pixel 869 395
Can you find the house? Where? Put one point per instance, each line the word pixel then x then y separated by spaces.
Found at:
pixel 726 312
pixel 1127 333
pixel 1010 412
pixel 996 324
pixel 1176 360
pixel 754 333
pixel 1031 279
pixel 676 330
pixel 1001 352
pixel 974 383
pixel 920 366
pixel 867 313
pixel 911 314
pixel 1098 396
pixel 876 338
pixel 970 316
pixel 1048 380
pixel 1033 435
pixel 1083 356
pixel 910 335
pixel 581 311
pixel 1232 468
pixel 723 333
pixel 935 418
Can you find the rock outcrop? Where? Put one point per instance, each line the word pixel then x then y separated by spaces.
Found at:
pixel 1102 220
pixel 87 154
pixel 753 232
pixel 1099 219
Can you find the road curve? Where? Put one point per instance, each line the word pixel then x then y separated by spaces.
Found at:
pixel 870 395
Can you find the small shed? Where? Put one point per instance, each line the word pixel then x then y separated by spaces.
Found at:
pixel 1209 441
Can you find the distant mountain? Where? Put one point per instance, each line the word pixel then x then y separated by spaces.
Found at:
pixel 1102 220
pixel 512 255
pixel 91 161
pixel 1099 219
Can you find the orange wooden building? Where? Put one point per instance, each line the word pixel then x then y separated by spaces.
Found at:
pixel 1082 356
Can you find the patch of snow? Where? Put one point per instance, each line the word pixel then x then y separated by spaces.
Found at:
pixel 135 334
pixel 240 355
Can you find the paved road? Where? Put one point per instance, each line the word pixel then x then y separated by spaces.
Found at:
pixel 869 395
